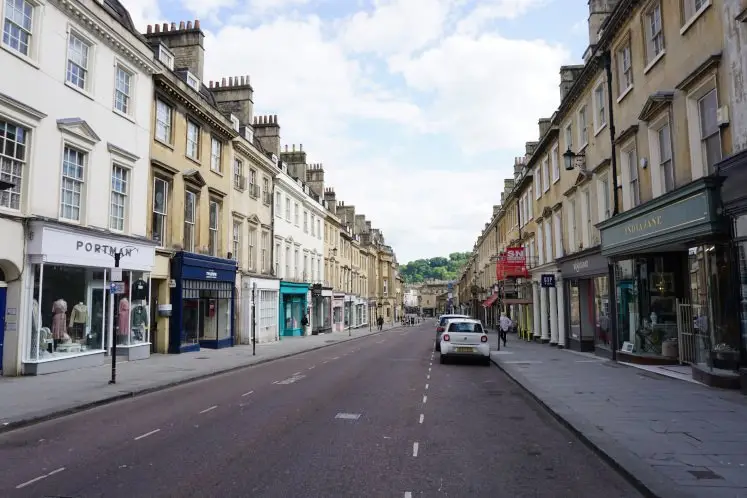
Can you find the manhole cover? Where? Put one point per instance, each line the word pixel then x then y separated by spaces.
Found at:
pixel 705 474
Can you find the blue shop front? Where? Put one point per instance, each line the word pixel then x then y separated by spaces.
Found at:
pixel 293 307
pixel 202 298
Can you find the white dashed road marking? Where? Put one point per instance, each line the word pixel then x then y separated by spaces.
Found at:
pixel 348 416
pixel 290 380
pixel 425 399
pixel 422 417
pixel 209 409
pixel 143 436
pixel 247 394
pixel 415 448
pixel 312 367
pixel 35 479
pixel 428 377
pixel 408 494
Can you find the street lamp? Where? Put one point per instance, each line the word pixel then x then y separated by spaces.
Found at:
pixel 117 255
pixel 569 159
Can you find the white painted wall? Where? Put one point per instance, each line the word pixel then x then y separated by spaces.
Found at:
pixel 39 82
pixel 286 230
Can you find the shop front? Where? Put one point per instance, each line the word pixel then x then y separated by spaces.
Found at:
pixel 321 309
pixel 585 284
pixel 77 304
pixel 338 306
pixel 202 299
pixel 671 296
pixel 293 308
pixel 264 294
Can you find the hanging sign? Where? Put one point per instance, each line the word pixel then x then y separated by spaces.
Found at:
pixel 512 263
pixel 547 280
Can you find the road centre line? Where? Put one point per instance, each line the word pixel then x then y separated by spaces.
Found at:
pixel 408 494
pixel 425 398
pixel 312 367
pixel 297 373
pixel 143 436
pixel 428 377
pixel 426 386
pixel 415 448
pixel 422 417
pixel 35 479
pixel 247 394
pixel 209 409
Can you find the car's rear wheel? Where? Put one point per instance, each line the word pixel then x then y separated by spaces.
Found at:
pixel 486 361
pixel 442 360
pixel 437 348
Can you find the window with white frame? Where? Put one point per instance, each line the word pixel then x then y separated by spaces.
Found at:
pixel 540 244
pixel 603 193
pixel 600 107
pixel 190 220
pixel 313 222
pixel 193 81
pixel 305 221
pixel 236 240
pixel 654 32
pixel 214 228
pixel 545 175
pixel 296 269
pixel 287 209
pixel 265 252
pixel 73 180
pixel 123 90
pixel 530 213
pixel 583 128
pixel 78 61
pixel 586 206
pixel 558 234
pixel 277 259
pixel 14 142
pixel 166 57
pixel 118 208
pixel 164 120
pixel 572 231
pixel 318 230
pixel 693 7
pixel 296 216
pixel 666 165
pixel 160 210
pixel 18 25
pixel 632 186
pixel 238 174
pixel 253 189
pixel 548 240
pixel 710 133
pixel 252 248
pixel 278 204
pixel 287 273
pixel 624 68
pixel 216 152
pixel 305 267
pixel 193 140
pixel 265 189
pixel 537 184
pixel 555 164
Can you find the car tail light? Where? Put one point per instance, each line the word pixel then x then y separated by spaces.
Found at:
pixel 484 338
pixel 446 337
pixel 439 329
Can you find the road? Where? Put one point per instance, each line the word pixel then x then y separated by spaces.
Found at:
pixel 376 417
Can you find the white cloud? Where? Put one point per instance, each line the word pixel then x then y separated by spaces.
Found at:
pixel 144 12
pixel 488 92
pixel 487 11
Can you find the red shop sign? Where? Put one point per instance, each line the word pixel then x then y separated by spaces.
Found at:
pixel 511 264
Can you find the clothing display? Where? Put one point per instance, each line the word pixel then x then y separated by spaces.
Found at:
pixel 59 318
pixel 79 314
pixel 124 317
pixel 140 290
pixel 139 322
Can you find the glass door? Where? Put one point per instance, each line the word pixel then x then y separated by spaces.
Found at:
pixel 98 303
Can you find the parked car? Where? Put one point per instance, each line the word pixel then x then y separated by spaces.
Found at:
pixel 464 337
pixel 441 325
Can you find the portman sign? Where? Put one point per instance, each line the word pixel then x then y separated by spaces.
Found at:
pixel 512 263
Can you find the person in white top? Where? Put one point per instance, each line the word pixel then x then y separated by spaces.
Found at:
pixel 504 326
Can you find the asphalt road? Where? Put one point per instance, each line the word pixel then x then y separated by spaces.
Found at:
pixel 376 417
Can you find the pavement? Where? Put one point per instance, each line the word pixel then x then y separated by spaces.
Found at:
pixel 676 439
pixel 47 396
pixel 374 417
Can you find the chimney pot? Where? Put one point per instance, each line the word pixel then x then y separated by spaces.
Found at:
pixel 230 81
pixel 197 24
pixel 223 81
pixel 173 26
pixel 157 28
pixel 275 119
pixel 189 24
pixel 149 30
pixel 300 147
pixel 286 147
pixel 210 84
pixel 247 79
pixel 242 81
pixel 181 25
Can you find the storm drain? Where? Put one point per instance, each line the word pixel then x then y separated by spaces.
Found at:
pixel 705 474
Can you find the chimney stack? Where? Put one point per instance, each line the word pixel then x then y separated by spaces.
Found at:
pixel 568 76
pixel 599 11
pixel 267 131
pixel 187 44
pixel 544 125
pixel 236 97
pixel 330 199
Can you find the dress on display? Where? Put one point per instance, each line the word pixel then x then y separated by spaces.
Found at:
pixel 124 317
pixel 59 319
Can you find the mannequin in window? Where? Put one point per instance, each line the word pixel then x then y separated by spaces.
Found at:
pixel 123 331
pixel 78 320
pixel 59 320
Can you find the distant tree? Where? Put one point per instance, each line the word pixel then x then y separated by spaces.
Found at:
pixel 437 268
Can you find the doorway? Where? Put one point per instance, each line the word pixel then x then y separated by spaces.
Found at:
pixel 3 297
pixel 98 305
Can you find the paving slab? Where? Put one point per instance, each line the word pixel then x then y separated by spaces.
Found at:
pixel 32 399
pixel 676 439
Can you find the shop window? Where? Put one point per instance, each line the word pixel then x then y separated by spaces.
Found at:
pixel 575 311
pixel 294 312
pixel 268 314
pixel 603 332
pixel 206 311
pixel 131 312
pixel 69 311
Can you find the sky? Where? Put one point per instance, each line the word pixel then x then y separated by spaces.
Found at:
pixel 416 108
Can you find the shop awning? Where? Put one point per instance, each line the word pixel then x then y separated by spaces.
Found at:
pixel 517 301
pixel 489 301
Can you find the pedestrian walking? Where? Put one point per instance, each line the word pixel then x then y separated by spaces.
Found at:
pixel 380 321
pixel 504 326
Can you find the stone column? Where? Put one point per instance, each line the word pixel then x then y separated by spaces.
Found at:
pixel 536 311
pixel 543 316
pixel 553 316
pixel 561 313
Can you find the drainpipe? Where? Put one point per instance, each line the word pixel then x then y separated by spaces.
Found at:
pixel 607 60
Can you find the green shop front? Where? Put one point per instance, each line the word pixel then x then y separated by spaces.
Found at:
pixel 293 308
pixel 671 287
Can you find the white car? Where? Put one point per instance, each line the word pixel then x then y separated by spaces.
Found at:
pixel 464 337
pixel 442 326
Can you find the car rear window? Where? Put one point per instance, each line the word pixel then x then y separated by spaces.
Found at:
pixel 446 318
pixel 465 327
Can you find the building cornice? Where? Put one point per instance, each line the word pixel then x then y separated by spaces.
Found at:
pixel 178 90
pixel 120 44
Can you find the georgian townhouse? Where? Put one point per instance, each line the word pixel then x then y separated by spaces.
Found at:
pixel 333 259
pixel 299 254
pixel 387 273
pixel 74 139
pixel 360 267
pixel 191 153
pixel 521 304
pixel 669 243
pixel 350 234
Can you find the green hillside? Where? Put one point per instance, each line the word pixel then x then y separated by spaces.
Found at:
pixel 439 268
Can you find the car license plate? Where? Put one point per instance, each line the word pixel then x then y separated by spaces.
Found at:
pixel 465 350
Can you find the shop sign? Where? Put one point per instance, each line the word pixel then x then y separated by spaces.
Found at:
pixel 72 247
pixel 593 264
pixel 547 280
pixel 211 275
pixel 512 263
